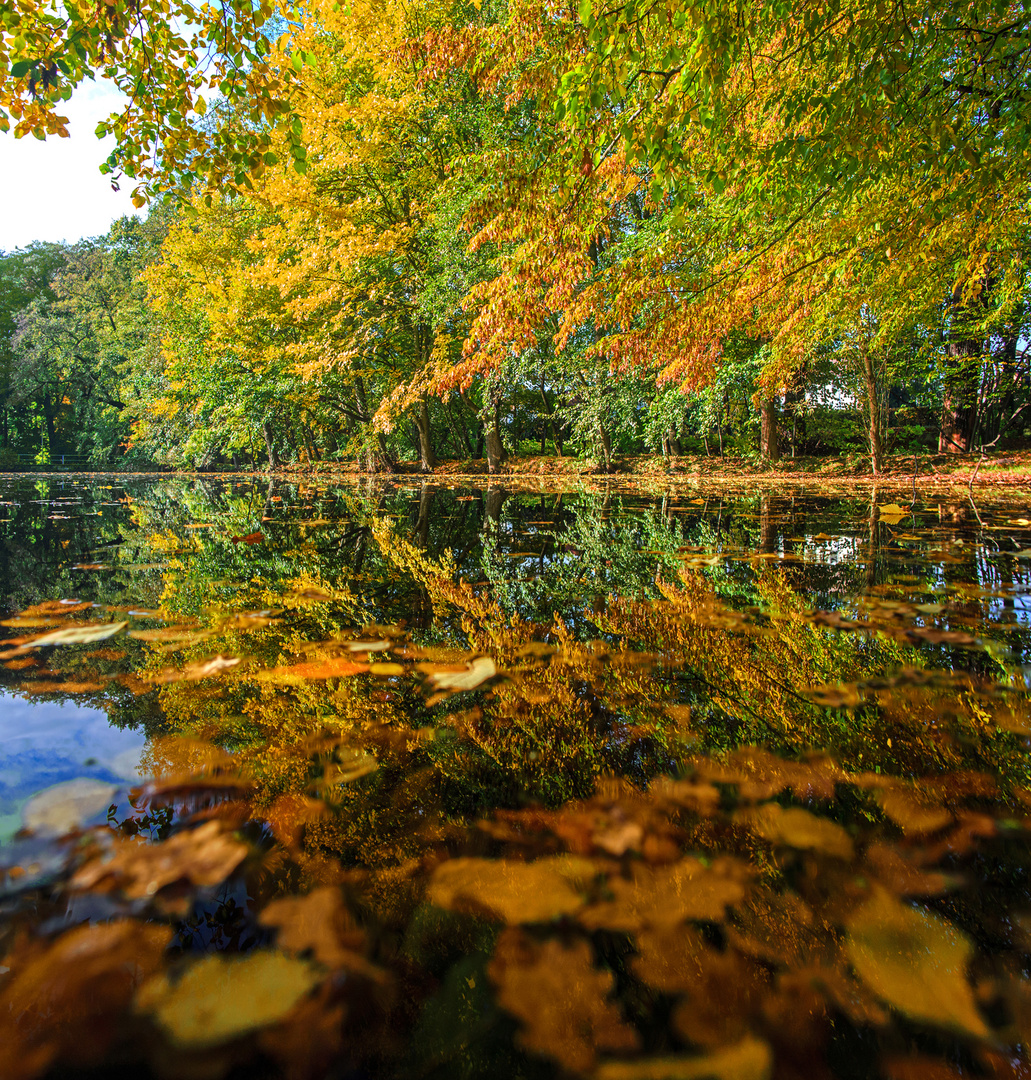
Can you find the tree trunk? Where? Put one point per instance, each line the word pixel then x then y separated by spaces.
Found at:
pixel 959 392
pixel 873 407
pixel 427 456
pixel 556 438
pixel 495 448
pixel 270 445
pixel 768 445
pixel 605 444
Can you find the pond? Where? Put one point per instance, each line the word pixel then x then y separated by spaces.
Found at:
pixel 408 780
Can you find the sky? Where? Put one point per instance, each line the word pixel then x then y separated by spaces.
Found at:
pixel 53 190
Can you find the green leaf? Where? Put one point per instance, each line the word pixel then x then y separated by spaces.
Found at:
pixel 21 69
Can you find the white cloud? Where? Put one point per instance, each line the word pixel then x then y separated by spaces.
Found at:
pixel 53 190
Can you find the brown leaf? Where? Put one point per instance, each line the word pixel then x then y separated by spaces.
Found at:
pixel 289 814
pixel 204 856
pixel 760 775
pixel 722 989
pixel 64 1001
pixel 914 814
pixel 665 896
pixel 320 924
pixel 750 1059
pixel 560 997
pixel 513 892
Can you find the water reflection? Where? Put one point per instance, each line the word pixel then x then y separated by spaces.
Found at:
pixel 43 743
pixel 494 782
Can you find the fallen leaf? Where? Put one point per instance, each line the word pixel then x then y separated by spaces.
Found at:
pixel 914 961
pixel 320 924
pixel 334 668
pixel 468 678
pixel 666 896
pixel 914 815
pixel 204 856
pixel 65 1001
pixel 218 999
pixel 750 1059
pixel 798 828
pixel 82 634
pixel 513 892
pixel 64 807
pixel 560 998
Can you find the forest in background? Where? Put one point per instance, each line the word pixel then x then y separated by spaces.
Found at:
pixel 383 234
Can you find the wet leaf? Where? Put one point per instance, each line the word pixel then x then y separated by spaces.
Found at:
pixel 750 1059
pixel 197 669
pixel 66 806
pixel 512 892
pixel 914 815
pixel 82 634
pixel 666 896
pixel 334 668
pixel 318 924
pixel 468 678
pixel 798 828
pixel 914 961
pixel 219 999
pixel 63 1001
pixel 560 998
pixel 203 856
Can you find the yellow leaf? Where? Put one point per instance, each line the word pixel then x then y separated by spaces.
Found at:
pixel 914 961
pixel 218 999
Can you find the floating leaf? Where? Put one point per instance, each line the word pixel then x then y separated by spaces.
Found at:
pixel 916 816
pixel 65 1002
pixel 219 999
pixel 320 924
pixel 467 678
pixel 334 668
pixel 82 634
pixel 560 998
pixel 666 896
pixel 66 806
pixel 893 513
pixel 750 1059
pixel 198 669
pixel 513 892
pixel 798 828
pixel 205 856
pixel 914 961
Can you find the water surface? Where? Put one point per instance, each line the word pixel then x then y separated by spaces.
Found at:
pixel 407 780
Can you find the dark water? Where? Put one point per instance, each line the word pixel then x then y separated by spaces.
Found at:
pixel 415 781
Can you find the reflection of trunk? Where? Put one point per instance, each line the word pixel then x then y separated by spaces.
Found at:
pixel 768 445
pixel 270 445
pixel 427 456
pixel 493 500
pixel 871 562
pixel 959 391
pixel 767 526
pixel 873 406
pixel 48 415
pixel 496 453
pixel 422 526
